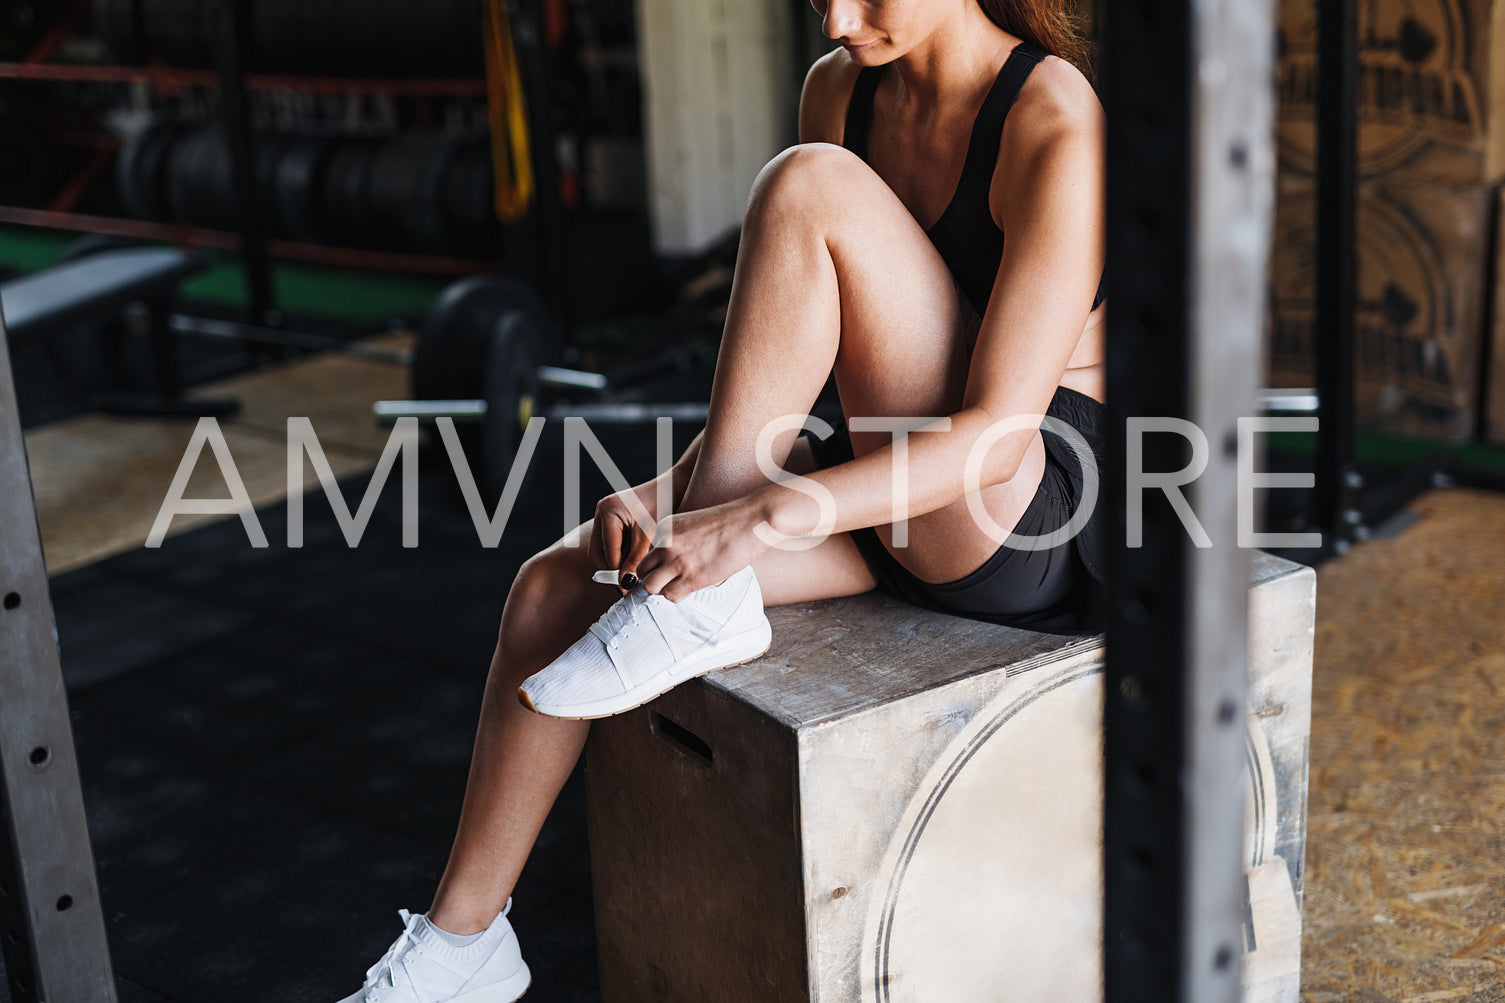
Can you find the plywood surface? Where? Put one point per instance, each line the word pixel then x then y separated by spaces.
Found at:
pixel 1405 881
pixel 100 479
pixel 837 657
pixel 871 649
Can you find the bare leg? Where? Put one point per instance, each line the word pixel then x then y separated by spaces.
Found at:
pixel 833 271
pixel 522 759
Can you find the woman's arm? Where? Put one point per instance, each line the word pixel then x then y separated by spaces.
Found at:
pixel 678 475
pixel 1051 208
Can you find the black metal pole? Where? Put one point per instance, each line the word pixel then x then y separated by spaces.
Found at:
pixel 1337 481
pixel 1146 68
pixel 1188 86
pixel 533 59
pixel 234 30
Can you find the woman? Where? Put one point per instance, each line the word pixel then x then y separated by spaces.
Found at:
pixel 861 251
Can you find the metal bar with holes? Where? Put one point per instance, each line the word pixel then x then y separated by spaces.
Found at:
pixel 1188 89
pixel 50 921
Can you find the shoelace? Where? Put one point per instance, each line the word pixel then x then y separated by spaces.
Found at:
pixel 683 622
pixel 396 956
pixel 622 614
pixel 394 959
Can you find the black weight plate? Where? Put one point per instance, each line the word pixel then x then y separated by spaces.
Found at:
pixel 448 361
pixel 151 177
pixel 357 195
pixel 300 173
pixel 182 174
pixel 511 393
pixel 469 200
pixel 212 183
pixel 397 171
pixel 426 219
pixel 270 147
pixel 128 174
pixel 344 191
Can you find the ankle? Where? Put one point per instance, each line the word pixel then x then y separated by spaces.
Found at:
pixel 460 922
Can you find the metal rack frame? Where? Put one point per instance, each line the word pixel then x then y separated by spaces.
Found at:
pixel 53 928
pixel 1190 198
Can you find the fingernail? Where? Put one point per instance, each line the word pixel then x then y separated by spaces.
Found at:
pixel 628 580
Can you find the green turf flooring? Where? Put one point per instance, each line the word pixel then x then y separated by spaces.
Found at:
pixel 343 294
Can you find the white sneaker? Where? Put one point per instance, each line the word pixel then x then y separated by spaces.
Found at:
pixel 419 967
pixel 646 644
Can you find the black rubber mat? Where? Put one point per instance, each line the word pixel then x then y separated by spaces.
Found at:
pixel 273 743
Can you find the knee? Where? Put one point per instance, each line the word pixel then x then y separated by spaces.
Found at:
pixel 547 571
pixel 805 175
pixel 539 583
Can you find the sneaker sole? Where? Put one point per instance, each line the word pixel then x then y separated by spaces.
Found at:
pixel 498 992
pixel 505 991
pixel 656 686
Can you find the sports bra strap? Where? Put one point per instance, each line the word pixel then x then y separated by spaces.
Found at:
pixel 860 111
pixel 987 130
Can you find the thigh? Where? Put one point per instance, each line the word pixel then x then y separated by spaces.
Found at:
pixel 834 272
pixel 903 348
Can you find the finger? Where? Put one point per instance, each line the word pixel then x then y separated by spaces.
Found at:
pixel 658 578
pixel 641 544
pixel 597 542
pixel 646 566
pixel 611 540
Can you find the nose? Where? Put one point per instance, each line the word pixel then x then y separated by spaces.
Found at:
pixel 839 18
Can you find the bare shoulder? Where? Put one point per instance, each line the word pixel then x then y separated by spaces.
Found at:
pixel 1054 136
pixel 1057 99
pixel 823 101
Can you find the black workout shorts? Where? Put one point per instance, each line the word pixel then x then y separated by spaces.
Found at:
pixel 1057 590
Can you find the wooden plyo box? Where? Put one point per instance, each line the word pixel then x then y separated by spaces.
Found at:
pixel 898 805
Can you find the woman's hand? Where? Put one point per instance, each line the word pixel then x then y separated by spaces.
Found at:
pixel 616 538
pixel 691 550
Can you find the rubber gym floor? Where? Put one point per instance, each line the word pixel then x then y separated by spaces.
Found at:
pixel 273 742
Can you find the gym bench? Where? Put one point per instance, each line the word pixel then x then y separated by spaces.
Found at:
pixel 99 287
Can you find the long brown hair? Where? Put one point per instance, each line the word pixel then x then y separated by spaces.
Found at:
pixel 1057 26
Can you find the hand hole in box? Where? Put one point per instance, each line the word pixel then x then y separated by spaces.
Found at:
pixel 682 739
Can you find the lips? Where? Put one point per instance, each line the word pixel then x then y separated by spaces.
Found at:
pixel 855 49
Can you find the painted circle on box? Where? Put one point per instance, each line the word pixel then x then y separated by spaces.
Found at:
pixel 959 865
pixel 1036 889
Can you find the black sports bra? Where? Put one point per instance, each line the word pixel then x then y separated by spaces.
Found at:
pixel 969 241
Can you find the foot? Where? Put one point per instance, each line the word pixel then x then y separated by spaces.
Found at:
pixel 646 644
pixel 420 967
